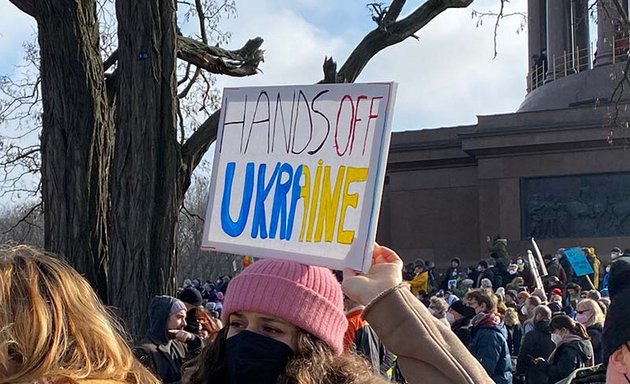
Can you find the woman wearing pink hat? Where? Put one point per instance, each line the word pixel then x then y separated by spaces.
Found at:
pixel 285 324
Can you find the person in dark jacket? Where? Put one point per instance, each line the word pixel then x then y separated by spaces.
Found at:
pixel 514 332
pixel 488 337
pixel 591 316
pixel 459 316
pixel 573 350
pixel 166 346
pixel 191 297
pixel 484 272
pixel 536 343
pixel 452 272
pixel 554 268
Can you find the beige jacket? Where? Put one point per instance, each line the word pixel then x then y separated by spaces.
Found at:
pixel 428 352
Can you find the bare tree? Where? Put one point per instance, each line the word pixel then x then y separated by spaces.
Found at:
pixel 115 160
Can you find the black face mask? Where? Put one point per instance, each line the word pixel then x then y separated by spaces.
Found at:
pixel 254 358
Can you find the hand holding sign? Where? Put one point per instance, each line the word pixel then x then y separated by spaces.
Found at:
pixel 298 173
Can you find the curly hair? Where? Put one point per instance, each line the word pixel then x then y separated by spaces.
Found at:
pixel 53 327
pixel 313 363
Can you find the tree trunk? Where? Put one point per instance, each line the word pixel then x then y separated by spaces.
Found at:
pixel 76 137
pixel 146 186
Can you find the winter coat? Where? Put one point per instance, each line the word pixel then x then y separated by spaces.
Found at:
pixel 163 356
pixel 567 358
pixel 514 339
pixel 536 343
pixel 489 345
pixel 420 283
pixel 554 268
pixel 487 274
pixel 595 332
pixel 434 354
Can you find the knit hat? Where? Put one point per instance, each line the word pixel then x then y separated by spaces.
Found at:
pixel 464 310
pixel 191 296
pixel 176 307
pixel 306 296
pixel 617 324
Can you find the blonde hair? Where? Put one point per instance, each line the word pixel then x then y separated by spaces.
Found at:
pixel 511 317
pixel 54 327
pixel 597 316
pixel 440 305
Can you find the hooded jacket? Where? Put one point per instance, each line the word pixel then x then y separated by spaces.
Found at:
pixel 536 343
pixel 567 358
pixel 162 355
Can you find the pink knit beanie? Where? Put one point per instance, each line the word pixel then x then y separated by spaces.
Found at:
pixel 308 297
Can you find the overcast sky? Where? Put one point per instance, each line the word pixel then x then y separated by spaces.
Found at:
pixel 447 77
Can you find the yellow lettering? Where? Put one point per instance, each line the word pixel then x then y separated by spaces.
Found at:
pixel 314 200
pixel 329 205
pixel 353 175
pixel 305 193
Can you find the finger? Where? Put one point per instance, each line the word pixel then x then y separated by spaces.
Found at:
pixel 382 255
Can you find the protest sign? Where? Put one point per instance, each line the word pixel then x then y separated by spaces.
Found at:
pixel 298 172
pixel 578 261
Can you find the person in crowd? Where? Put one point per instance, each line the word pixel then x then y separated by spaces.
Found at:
pixel 484 272
pixel 497 246
pixel 615 253
pixel 438 308
pixel 514 332
pixel 459 316
pixel 515 284
pixel 511 300
pixel 450 297
pixel 554 268
pixel 306 302
pixel 360 338
pixel 463 287
pixel 590 315
pixel 591 256
pixel 452 273
pixel 573 296
pixel 540 293
pixel 472 273
pixel 593 295
pixel 208 326
pixel 525 271
pixel 488 336
pixel 536 343
pixel 420 280
pixel 528 311
pixel 573 350
pixel 191 298
pixel 166 346
pixel 53 327
pixel 486 283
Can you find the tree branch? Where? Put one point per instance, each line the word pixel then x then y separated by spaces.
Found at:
pixel 393 11
pixel 111 60
pixel 379 39
pixel 26 6
pixel 197 144
pixel 239 63
pixel 23 219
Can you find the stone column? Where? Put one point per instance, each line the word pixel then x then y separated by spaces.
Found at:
pixel 606 30
pixel 537 40
pixel 581 34
pixel 557 36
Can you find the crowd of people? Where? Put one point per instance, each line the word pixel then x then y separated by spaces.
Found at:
pixel 280 321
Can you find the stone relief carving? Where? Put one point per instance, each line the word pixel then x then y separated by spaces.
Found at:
pixel 575 206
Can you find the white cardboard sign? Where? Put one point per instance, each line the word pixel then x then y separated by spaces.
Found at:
pixel 298 172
